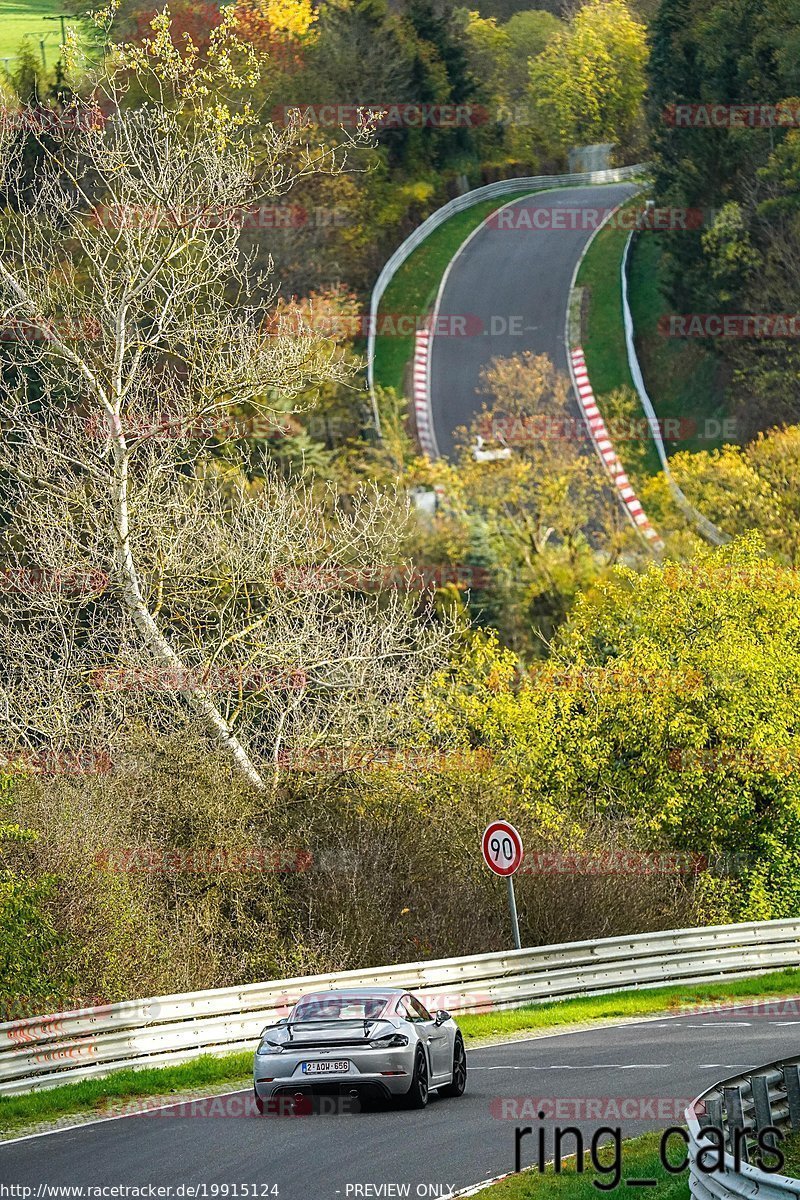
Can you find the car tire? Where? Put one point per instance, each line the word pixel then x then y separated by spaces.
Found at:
pixel 260 1106
pixel 459 1082
pixel 417 1094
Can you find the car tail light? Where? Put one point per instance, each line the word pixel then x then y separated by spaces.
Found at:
pixel 389 1041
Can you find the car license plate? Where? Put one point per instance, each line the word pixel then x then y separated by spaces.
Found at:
pixel 328 1067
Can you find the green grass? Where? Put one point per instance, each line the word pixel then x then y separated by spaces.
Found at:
pixel 621 1005
pixel 93 1095
pixel 681 376
pixel 604 333
pixel 791 1151
pixel 640 1158
pixel 28 18
pixel 788 1145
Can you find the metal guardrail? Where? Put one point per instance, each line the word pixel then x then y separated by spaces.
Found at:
pixel 45 1051
pixel 741 1107
pixel 503 187
pixel 707 528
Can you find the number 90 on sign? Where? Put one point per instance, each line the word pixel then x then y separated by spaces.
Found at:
pixel 502 848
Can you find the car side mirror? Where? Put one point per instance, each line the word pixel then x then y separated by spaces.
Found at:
pixel 442 1016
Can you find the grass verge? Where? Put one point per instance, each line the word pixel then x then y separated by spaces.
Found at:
pixel 606 352
pixel 791 1152
pixel 604 332
pixel 625 1005
pixel 682 376
pixel 92 1096
pixel 640 1159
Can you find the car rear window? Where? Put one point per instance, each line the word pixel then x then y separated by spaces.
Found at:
pixel 331 1007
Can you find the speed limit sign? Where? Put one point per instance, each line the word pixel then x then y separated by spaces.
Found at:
pixel 502 852
pixel 502 848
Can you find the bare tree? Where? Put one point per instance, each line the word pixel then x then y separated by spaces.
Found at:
pixel 135 328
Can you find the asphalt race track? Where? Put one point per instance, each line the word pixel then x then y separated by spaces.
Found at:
pixel 515 280
pixel 449 1145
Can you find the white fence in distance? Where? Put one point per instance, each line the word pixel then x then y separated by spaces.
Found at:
pixel 45 1051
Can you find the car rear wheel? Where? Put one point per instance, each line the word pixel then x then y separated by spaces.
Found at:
pixel 417 1094
pixel 459 1082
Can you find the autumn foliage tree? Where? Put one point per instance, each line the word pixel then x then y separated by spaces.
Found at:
pixel 277 28
pixel 191 19
pixel 588 83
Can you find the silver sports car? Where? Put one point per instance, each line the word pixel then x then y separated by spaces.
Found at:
pixel 369 1043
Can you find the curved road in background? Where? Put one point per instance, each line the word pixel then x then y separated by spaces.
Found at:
pixel 452 1144
pixel 510 271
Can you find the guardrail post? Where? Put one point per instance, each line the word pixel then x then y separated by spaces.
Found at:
pixel 791 1081
pixel 713 1114
pixel 759 1085
pixel 734 1109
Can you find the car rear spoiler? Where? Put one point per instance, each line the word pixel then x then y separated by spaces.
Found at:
pixel 365 1021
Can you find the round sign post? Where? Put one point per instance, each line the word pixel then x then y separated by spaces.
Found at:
pixel 502 852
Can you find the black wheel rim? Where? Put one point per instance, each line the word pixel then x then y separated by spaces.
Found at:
pixel 422 1078
pixel 460 1067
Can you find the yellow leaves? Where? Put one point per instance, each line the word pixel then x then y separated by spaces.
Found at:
pixel 738 489
pixel 294 17
pixel 229 59
pixel 589 82
pixel 71 52
pixel 418 191
pixel 272 24
pixel 103 17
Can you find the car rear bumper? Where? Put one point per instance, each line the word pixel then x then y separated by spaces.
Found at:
pixel 364 1086
pixel 327 1097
